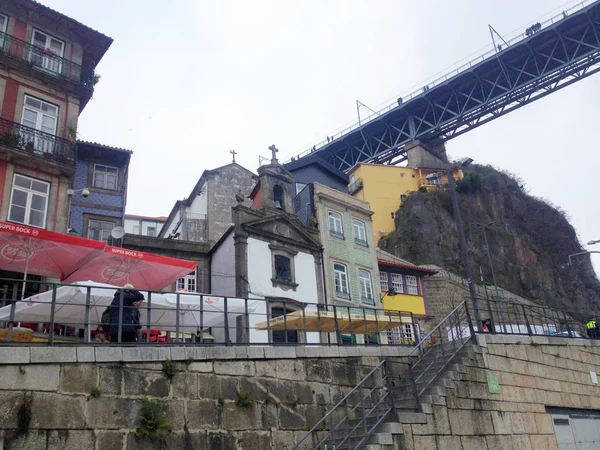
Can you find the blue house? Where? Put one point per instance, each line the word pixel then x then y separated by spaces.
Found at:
pixel 97 200
pixel 309 170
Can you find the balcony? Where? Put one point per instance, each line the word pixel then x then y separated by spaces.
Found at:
pixel 44 61
pixel 37 142
pixel 355 187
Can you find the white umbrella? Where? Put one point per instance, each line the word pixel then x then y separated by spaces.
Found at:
pixel 164 313
pixel 70 305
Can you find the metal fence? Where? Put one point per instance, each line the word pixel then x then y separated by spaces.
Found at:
pixel 82 314
pixel 503 317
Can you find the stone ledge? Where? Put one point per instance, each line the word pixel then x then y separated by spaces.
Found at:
pixel 23 354
pixel 485 339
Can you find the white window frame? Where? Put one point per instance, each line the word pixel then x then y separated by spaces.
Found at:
pixel 340 278
pixel 384 282
pixel 188 283
pixel 299 189
pixel 40 142
pixel 398 283
pixel 136 229
pixel 360 232
pixel 102 230
pixel 405 334
pixel 153 231
pixel 30 193
pixel 38 56
pixel 412 285
pixel 336 227
pixel 3 29
pixel 105 174
pixel 365 281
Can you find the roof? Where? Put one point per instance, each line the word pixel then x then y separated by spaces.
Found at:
pixel 156 219
pixel 95 43
pixel 314 159
pixel 104 147
pixel 409 266
pixel 388 259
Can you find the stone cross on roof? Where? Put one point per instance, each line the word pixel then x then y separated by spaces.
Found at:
pixel 274 151
pixel 233 153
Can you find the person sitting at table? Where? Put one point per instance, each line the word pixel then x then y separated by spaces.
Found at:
pixel 132 300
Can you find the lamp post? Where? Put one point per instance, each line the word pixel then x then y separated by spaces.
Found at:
pixel 85 192
pixel 461 235
pixel 487 247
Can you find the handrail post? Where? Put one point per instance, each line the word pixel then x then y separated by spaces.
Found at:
pixel 567 324
pixel 120 327
pixel 148 316
pixel 388 375
pixel 529 332
pixel 414 384
pixel 226 321
pixel 471 328
pixel 86 322
pixel 177 310
pixel 52 312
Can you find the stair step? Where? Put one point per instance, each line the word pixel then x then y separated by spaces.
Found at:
pixel 434 399
pixel 391 427
pixel 381 438
pixel 411 417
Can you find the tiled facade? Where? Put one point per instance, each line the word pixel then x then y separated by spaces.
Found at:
pixel 105 205
pixel 338 249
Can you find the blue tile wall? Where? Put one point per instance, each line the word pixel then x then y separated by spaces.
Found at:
pixel 97 199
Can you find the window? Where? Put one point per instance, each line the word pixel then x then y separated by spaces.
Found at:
pixel 397 283
pixel 352 179
pixel 3 23
pixel 187 283
pixel 99 230
pixel 340 276
pixel 29 201
pixel 136 229
pixel 402 198
pixel 281 337
pixel 105 177
pixel 405 334
pixel 383 282
pixel 41 116
pixel 283 271
pixel 299 187
pixel 47 53
pixel 366 288
pixel 278 197
pixel 335 225
pixel 151 231
pixel 411 285
pixel 360 236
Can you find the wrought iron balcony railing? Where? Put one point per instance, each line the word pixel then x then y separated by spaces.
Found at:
pixel 45 61
pixel 36 142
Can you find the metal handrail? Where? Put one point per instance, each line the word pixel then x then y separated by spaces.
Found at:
pixel 45 61
pixel 426 338
pixel 343 404
pixel 34 141
pixel 426 85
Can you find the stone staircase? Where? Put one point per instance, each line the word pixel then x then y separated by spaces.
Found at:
pixel 388 401
pixel 406 413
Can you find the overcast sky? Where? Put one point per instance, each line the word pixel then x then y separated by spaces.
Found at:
pixel 183 85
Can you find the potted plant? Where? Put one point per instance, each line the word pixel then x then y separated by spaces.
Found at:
pixel 49 52
pixel 96 79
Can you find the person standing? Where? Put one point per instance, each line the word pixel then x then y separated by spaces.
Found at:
pixel 592 328
pixel 132 300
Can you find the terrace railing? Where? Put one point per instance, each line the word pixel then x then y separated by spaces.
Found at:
pixel 37 142
pixel 75 314
pixel 45 61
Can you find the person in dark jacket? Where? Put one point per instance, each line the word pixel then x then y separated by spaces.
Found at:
pixel 132 300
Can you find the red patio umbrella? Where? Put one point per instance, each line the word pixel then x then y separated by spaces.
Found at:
pixel 42 252
pixel 120 266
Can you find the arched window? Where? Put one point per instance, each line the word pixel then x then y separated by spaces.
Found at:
pixel 278 197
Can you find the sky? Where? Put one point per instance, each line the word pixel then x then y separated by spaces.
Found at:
pixel 187 81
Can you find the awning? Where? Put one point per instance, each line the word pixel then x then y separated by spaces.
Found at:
pixel 41 252
pixel 326 322
pixel 119 266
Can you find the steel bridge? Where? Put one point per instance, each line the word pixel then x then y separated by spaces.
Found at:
pixel 545 58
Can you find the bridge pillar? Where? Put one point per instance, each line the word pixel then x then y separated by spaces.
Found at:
pixel 422 156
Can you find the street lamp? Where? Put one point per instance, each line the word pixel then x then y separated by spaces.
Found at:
pixel 487 246
pixel 85 193
pixel 461 233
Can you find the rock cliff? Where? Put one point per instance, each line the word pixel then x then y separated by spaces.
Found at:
pixel 530 239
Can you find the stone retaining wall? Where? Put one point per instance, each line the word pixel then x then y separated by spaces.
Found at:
pixel 290 390
pixel 533 373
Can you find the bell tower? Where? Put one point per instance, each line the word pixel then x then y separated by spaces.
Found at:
pixel 274 186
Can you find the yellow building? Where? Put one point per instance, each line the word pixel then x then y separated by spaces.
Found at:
pixel 386 188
